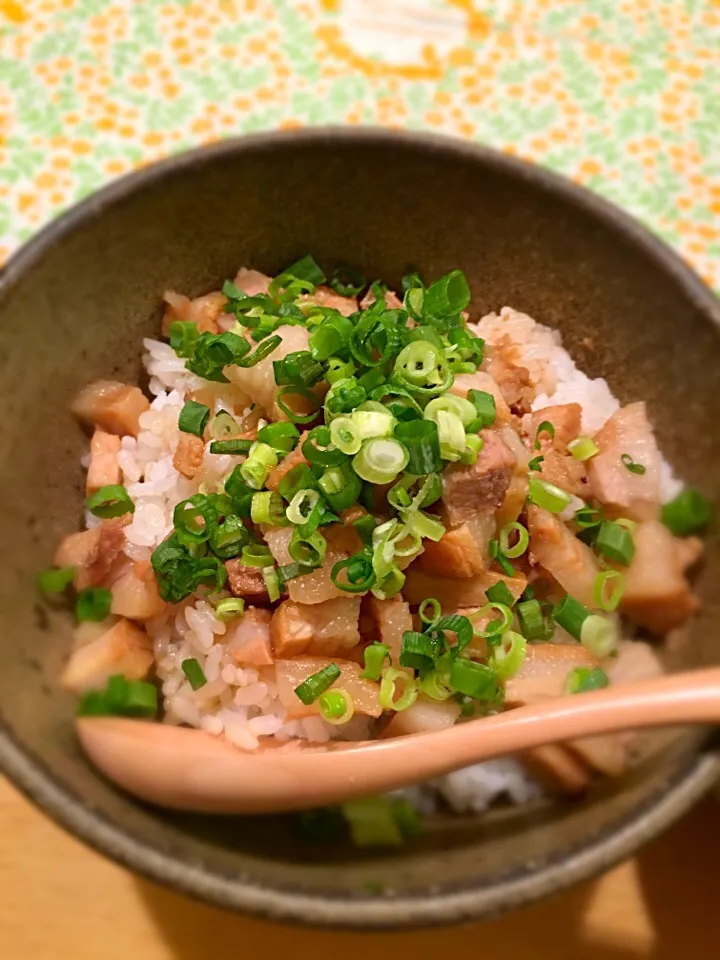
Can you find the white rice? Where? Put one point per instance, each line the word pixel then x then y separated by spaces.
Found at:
pixel 241 702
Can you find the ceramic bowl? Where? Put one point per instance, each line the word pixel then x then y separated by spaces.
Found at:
pixel 74 305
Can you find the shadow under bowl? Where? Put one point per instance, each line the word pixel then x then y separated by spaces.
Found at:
pixel 74 305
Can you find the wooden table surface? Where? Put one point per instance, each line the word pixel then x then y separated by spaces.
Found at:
pixel 60 900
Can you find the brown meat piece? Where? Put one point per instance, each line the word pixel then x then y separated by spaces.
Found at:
pixel 657 594
pixel 563 470
pixel 469 491
pixel 329 628
pixel 135 593
pixel 391 618
pixel 557 769
pixel 558 551
pixel 123 648
pixel 512 378
pixel 326 297
pixel 246 582
pixel 544 671
pixel 113 406
pixel 452 594
pixel 104 469
pixel 189 455
pixel 203 311
pixel 461 552
pixel 248 638
pixel 566 418
pixel 252 282
pixel 480 380
pixel 92 552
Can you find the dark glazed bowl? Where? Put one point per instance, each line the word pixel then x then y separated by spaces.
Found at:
pixel 74 305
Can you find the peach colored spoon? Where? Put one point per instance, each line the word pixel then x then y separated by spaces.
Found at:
pixel 191 770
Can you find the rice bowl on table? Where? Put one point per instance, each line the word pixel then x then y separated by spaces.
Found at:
pixel 348 512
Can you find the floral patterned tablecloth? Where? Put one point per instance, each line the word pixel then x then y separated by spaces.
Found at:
pixel 623 95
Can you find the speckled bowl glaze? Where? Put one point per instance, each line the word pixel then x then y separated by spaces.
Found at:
pixel 74 305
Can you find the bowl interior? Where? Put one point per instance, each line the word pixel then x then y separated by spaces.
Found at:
pixel 75 307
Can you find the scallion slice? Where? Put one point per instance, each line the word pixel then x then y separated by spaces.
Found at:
pixel 229 537
pixel 308 549
pixel 508 655
pixel 56 579
pixel 630 464
pixel 547 495
pixel 374 658
pixel 345 435
pixel 583 448
pixel 372 822
pixel 521 543
pixel 272 583
pixel 429 619
pixel 261 459
pixel 354 574
pixel 302 505
pixel 533 624
pixel 223 426
pixel 436 685
pixel 280 436
pixel 599 635
pixel 584 679
pixel 318 448
pixel 110 501
pixel 121 697
pixel 306 404
pixel 485 407
pixel 608 589
pixel 389 683
pixel 615 542
pixel 256 555
pixel 195 519
pixel 234 447
pixel 311 688
pixel 687 513
pixel 266 507
pixel 419 650
pixel 193 418
pixel 230 608
pixel 500 593
pixel 93 604
pixel 336 706
pixel 194 673
pixel 420 439
pixel 447 296
pixel 380 460
pixel 571 615
pixel 536 463
pixel 545 427
pixel 474 680
pixel 495 627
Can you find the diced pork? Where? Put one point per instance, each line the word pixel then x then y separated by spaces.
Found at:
pixel 329 628
pixel 252 282
pixel 293 459
pixel 470 491
pixel 483 381
pixel 564 471
pixel 189 455
pixel 566 418
pixel 313 587
pixel 392 301
pixel 624 493
pixel 607 753
pixel 93 552
pixel 326 297
pixel 452 593
pixel 512 377
pixel 391 618
pixel 289 674
pixel 422 716
pixel 124 648
pixel 112 406
pixel 544 672
pixel 248 638
pixel 461 552
pixel 657 593
pixel 135 592
pixel 557 769
pixel 258 381
pixel 635 660
pixel 203 311
pixel 104 469
pixel 246 582
pixel 568 560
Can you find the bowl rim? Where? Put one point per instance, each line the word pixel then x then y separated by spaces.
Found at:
pixel 429 907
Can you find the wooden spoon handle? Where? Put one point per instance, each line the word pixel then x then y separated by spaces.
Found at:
pixel 190 770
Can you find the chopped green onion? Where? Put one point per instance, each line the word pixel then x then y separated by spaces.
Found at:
pixel 380 460
pixel 318 448
pixel 309 549
pixel 583 448
pixel 599 635
pixel 584 679
pixel 372 822
pixel 420 439
pixel 500 593
pixel 305 269
pixel 434 605
pixel 374 658
pixel 261 352
pixel 195 519
pixel 436 685
pixel 267 507
pixel 257 555
pixel 223 426
pixel 230 609
pixel 292 570
pixel 272 583
pixel 536 463
pixel 369 422
pixel 451 435
pixel 261 459
pixel 365 526
pixel 447 296
pixel 345 435
pixel 571 615
pixel 234 448
pixel 521 545
pixel 547 495
pixel 426 527
pixel 629 464
pixel 485 406
pixel 508 655
pixel 687 513
pixel 280 436
pixel 193 418
pixel 449 403
pixel 302 505
pixel 545 427
pixel 336 706
pixel 627 524
pixel 533 624
pixel 422 369
pixel 183 335
pixel 341 487
pixel 473 680
pixel 338 369
pixel 213 352
pixel 311 688
pixel 178 573
pixel 239 492
pixel 347 281
pixel 229 537
pixel 194 673
pixel 495 627
pixel 359 574
pixel 93 604
pixel 501 560
pixel 615 542
pixel 121 697
pixel 418 650
pixel 299 368
pixel 110 501
pixel 473 446
pixel 389 700
pixel 56 579
pixel 608 589
pixel 375 339
pixel 297 416
pixel 588 517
